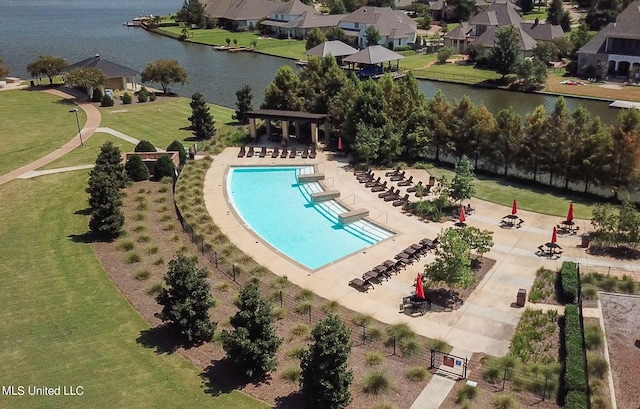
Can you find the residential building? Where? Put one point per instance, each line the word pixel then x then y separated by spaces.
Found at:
pixel 395 28
pixel 118 76
pixel 616 48
pixel 294 19
pixel 240 14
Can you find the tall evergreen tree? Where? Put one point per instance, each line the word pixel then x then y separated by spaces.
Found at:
pixel 252 344
pixel 577 132
pixel 202 123
pixel 554 145
pixel 186 300
pixel 506 51
pixel 243 104
pixel 192 12
pixel 106 220
pixel 284 91
pixel 326 376
pixel 593 157
pixel 529 157
pixel 558 16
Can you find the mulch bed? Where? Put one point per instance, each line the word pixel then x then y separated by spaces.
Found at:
pixel 157 236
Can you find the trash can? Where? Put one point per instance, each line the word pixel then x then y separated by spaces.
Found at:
pixel 585 240
pixel 32 83
pixel 521 298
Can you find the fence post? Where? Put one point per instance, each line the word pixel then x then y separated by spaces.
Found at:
pixel 233 271
pixel 394 345
pixel 504 377
pixel 364 335
pixel 544 392
pixel 215 258
pixel 309 311
pixel 432 361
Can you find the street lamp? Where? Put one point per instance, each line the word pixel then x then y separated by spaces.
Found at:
pixel 75 110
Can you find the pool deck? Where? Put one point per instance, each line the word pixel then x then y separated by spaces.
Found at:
pixel 485 323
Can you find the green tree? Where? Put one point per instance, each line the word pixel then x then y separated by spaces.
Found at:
pixel 164 72
pixel 480 241
pixel 372 35
pixel 463 136
pixel 580 36
pixel 368 108
pixel 192 12
pixel 145 146
pixel 252 344
pixel 558 16
pixel 106 101
pixel 577 132
pixel 530 153
pixel 506 51
pixel 284 91
pixel 164 167
pixel 106 220
pixel 603 12
pixel 326 376
pixel 444 53
pixel 47 65
pixel 554 145
pixel 243 104
pixel 509 134
pixel 342 103
pixel 532 71
pixel 202 123
pixel 336 7
pixel 526 6
pixel 440 121
pixel 126 98
pixel 462 183
pixel 87 77
pixel 460 10
pixel 625 154
pixel 4 70
pixel 336 33
pixel 452 265
pixel 314 38
pixel 177 146
pixel 546 51
pixel 351 5
pixel 109 161
pixel 136 169
pixel 186 300
pixel 367 142
pixel 593 156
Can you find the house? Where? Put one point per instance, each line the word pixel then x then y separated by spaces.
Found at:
pixel 118 76
pixel 616 48
pixel 240 14
pixel 395 27
pixel 481 29
pixel 295 19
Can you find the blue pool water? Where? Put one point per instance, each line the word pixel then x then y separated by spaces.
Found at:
pixel 279 209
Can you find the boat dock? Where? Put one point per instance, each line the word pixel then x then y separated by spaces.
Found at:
pixel 625 105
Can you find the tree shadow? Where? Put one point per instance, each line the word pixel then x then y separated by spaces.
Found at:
pixel 293 400
pixel 66 102
pixel 83 212
pixel 220 377
pixel 85 238
pixel 160 338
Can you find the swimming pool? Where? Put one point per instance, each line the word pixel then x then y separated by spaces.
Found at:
pixel 275 206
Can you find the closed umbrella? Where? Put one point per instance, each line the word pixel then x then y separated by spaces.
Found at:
pixel 340 143
pixel 419 287
pixel 554 236
pixel 570 214
pixel 514 207
pixel 463 217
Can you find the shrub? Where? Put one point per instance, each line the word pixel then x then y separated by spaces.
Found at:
pixel 144 238
pixel 609 284
pixel 331 307
pixel 303 307
pixel 574 376
pixel 569 281
pixel 589 292
pixel 142 274
pixel 296 353
pixel 136 169
pixel 627 285
pixel 466 393
pixel 575 400
pixel 278 313
pixel 179 147
pixel 143 95
pixel 439 345
pixel 140 228
pixel 291 374
pixel 372 334
pixel 399 332
pixel 97 95
pixel 138 217
pixel 164 167
pixel 126 245
pixel 133 257
pixel 301 331
pixel 155 289
pixel 126 98
pixel 145 146
pixel 304 295
pixel 410 347
pixel 106 101
pixel 376 383
pixel 504 401
pixel 362 320
pixel 417 373
pixel 152 250
pixel 159 261
pixel 152 96
pixel 373 358
pixel 592 336
pixel 492 374
pixel 384 405
pixel 597 365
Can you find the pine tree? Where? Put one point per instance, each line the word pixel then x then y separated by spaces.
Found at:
pixel 186 300
pixel 136 169
pixel 326 376
pixel 202 123
pixel 109 161
pixel 252 344
pixel 558 16
pixel 177 146
pixel 243 105
pixel 107 219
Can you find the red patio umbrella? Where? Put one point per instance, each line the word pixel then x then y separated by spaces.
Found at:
pixel 554 236
pixel 463 217
pixel 514 207
pixel 419 287
pixel 570 214
pixel 340 143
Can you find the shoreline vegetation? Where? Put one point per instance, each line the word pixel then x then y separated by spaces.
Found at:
pixel 423 66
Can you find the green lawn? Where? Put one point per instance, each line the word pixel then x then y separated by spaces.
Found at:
pixel 88 154
pixel 532 199
pixel 64 323
pixel 466 74
pixel 160 122
pixel 417 61
pixel 33 124
pixel 542 14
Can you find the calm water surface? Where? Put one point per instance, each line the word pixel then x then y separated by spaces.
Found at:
pixel 77 29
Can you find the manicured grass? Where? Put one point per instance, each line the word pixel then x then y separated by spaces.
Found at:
pixel 417 61
pixel 160 122
pixel 627 93
pixel 88 154
pixel 534 199
pixel 535 13
pixel 64 323
pixel 33 124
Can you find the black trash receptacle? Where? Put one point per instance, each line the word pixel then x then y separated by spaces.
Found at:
pixel 585 240
pixel 33 83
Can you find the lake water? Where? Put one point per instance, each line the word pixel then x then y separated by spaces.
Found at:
pixel 78 29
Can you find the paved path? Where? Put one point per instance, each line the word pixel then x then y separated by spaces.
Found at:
pixel 93 120
pixel 36 173
pixel 123 136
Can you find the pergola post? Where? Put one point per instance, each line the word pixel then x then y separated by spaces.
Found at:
pixel 285 131
pixel 326 132
pixel 252 127
pixel 314 133
pixel 297 125
pixel 268 123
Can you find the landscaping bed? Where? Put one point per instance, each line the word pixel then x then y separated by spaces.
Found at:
pixel 443 298
pixel 137 262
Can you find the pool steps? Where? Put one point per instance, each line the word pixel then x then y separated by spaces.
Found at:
pixel 318 197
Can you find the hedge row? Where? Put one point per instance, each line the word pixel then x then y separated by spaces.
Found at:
pixel 575 378
pixel 569 281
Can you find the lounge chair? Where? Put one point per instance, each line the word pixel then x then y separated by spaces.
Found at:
pixel 362 172
pixel 413 188
pixel 361 285
pixel 379 187
pixel 388 192
pixel 432 181
pixel 312 154
pixel 401 202
pixel 366 178
pixel 293 153
pixel 305 153
pixel 399 176
pixel 373 183
pixel 284 153
pixel 251 152
pixel 243 151
pixel 275 153
pixel 395 172
pixel 393 196
pixel 263 152
pixel 406 182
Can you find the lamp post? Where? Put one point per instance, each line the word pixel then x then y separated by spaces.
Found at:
pixel 75 110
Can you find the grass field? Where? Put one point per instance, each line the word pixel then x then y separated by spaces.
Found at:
pixel 627 93
pixel 33 124
pixel 64 323
pixel 88 154
pixel 532 199
pixel 160 122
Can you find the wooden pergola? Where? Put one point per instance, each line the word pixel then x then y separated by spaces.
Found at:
pixel 285 117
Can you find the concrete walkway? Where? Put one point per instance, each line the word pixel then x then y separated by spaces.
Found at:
pixel 123 136
pixel 36 173
pixel 93 120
